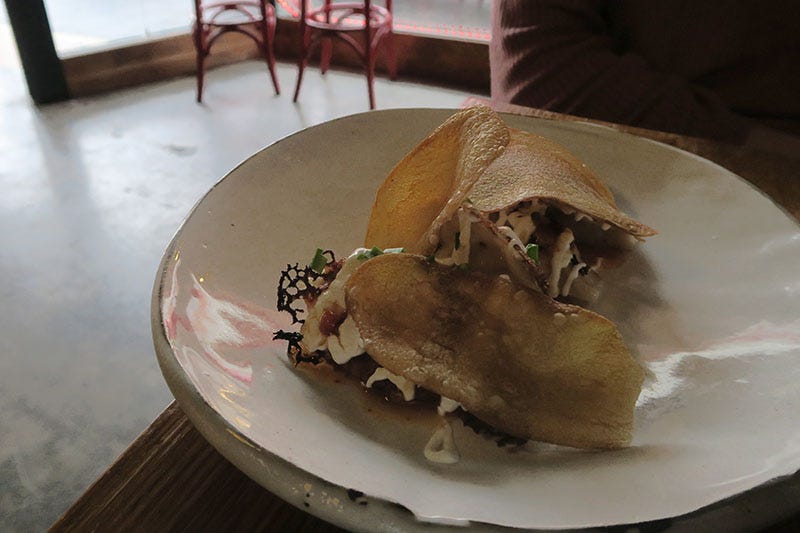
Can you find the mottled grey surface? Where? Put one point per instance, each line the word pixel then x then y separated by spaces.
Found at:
pixel 91 193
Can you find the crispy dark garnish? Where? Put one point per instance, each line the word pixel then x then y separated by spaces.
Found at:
pixel 295 284
pixel 304 284
pixel 295 352
pixel 292 337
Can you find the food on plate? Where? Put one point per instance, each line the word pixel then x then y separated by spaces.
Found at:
pixel 532 187
pixel 474 241
pixel 434 178
pixel 520 361
pixel 546 196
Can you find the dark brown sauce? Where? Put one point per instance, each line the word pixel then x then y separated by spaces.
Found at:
pixel 361 367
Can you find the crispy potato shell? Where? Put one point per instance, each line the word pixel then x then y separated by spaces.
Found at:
pixel 434 177
pixel 516 359
pixel 532 167
pixel 474 154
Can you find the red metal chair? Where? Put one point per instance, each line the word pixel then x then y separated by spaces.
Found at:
pixel 343 20
pixel 253 18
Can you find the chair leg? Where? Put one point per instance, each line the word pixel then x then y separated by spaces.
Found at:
pixel 305 40
pixel 201 67
pixel 371 89
pixel 269 39
pixel 325 54
pixel 272 72
pixel 369 66
pixel 327 43
pixel 199 44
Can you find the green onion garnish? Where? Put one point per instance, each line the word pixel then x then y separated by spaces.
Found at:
pixel 458 240
pixel 369 254
pixel 394 250
pixel 319 261
pixel 532 251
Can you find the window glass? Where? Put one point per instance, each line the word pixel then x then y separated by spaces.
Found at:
pixel 80 26
pixel 85 25
pixel 455 19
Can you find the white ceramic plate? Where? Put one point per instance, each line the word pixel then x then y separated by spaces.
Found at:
pixel 711 306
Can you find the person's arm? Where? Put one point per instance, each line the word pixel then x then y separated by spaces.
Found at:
pixel 559 55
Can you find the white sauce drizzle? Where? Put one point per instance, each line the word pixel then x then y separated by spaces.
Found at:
pixel 573 274
pixel 403 385
pixel 522 224
pixel 518 222
pixel 441 447
pixel 333 299
pixel 348 344
pixel 446 405
pixel 513 240
pixel 520 219
pixel 561 258
pixel 460 255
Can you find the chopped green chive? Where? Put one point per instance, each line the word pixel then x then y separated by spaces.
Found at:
pixel 319 261
pixel 394 250
pixel 532 251
pixel 369 254
pixel 458 240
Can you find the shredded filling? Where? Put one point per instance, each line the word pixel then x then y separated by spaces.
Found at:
pixel 536 223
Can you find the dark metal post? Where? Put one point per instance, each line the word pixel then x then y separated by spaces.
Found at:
pixel 40 62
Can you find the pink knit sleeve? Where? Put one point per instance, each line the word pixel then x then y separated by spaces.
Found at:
pixel 559 55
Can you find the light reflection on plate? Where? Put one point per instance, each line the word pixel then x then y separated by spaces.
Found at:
pixel 710 306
